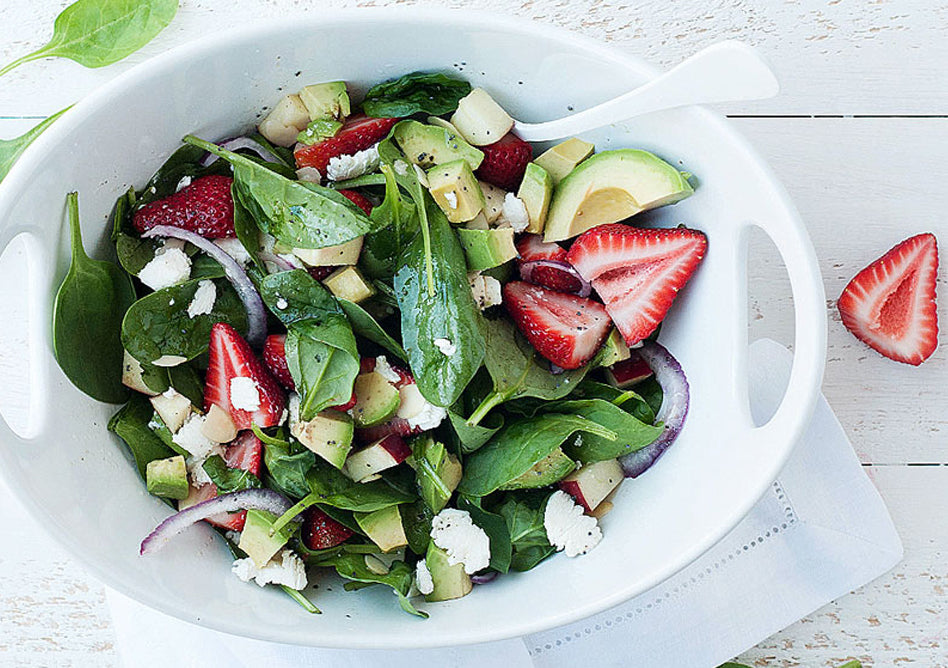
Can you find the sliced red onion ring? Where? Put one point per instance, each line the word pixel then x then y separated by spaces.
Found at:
pixel 673 411
pixel 256 311
pixel 248 499
pixel 238 143
pixel 484 578
pixel 281 262
pixel 527 269
pixel 556 370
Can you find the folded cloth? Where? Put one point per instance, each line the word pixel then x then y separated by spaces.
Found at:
pixel 819 532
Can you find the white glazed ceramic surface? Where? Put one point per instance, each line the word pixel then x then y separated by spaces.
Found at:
pixel 78 482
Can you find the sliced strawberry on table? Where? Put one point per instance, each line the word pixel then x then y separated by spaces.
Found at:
pixel 359 133
pixel 245 453
pixel 890 305
pixel 231 359
pixel 320 531
pixel 358 199
pixel 637 272
pixel 204 207
pixel 274 356
pixel 505 162
pixel 565 329
pixel 532 247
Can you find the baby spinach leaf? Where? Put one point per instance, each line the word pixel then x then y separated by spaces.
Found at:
pixel 87 319
pixel 517 447
pixel 398 223
pixel 297 213
pixel 228 479
pixel 281 153
pixel 158 324
pixel 449 312
pixel 287 464
pixel 630 401
pixel 96 33
pixel 328 486
pixel 632 434
pixel 523 514
pixel 366 326
pixel 323 360
pixel 131 424
pixel 353 567
pixel 160 429
pixel 12 149
pixel 246 229
pixel 134 253
pixel 416 519
pixel 428 455
pixel 120 218
pixel 427 92
pixel 496 529
pixel 185 379
pixel 305 297
pixel 470 437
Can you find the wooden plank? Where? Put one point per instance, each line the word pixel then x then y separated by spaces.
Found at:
pixel 832 57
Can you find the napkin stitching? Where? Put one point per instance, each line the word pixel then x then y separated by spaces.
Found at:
pixel 791 520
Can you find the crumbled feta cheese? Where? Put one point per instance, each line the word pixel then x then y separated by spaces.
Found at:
pixel 464 542
pixel 446 347
pixel 171 302
pixel 401 167
pixel 385 370
pixel 342 167
pixel 169 360
pixel 195 465
pixel 418 411
pixel 282 303
pixel 203 301
pixel 486 290
pixel 244 394
pixel 183 183
pixel 293 403
pixel 170 266
pixel 191 438
pixel 423 579
pixel 451 199
pixel 235 248
pixel 567 527
pixel 288 570
pixel 310 174
pixel 578 443
pixel 515 212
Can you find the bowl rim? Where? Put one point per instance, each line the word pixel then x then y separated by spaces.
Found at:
pixel 17 180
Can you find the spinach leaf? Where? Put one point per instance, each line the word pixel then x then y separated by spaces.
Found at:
pixel 428 456
pixel 366 326
pixel 353 567
pixel 523 514
pixel 96 33
pixel 87 319
pixel 323 360
pixel 12 149
pixel 517 447
pixel 246 229
pixel 398 225
pixel 158 324
pixel 305 297
pixel 287 464
pixel 630 401
pixel 281 153
pixel 496 529
pixel 632 434
pixel 446 312
pixel 185 379
pixel 416 520
pixel 329 487
pixel 297 213
pixel 517 372
pixel 430 93
pixel 131 425
pixel 228 479
pixel 160 429
pixel 120 218
pixel 470 437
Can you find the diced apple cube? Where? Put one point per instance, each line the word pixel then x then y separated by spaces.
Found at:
pixel 592 483
pixel 480 120
pixel 172 407
pixel 283 125
pixel 377 457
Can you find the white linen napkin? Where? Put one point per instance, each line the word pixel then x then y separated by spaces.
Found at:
pixel 820 531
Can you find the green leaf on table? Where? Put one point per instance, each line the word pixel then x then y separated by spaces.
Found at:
pixel 523 513
pixel 87 319
pixel 632 434
pixel 428 92
pixel 354 567
pixel 12 149
pixel 132 425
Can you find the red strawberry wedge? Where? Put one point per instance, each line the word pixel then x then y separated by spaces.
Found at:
pixel 239 383
pixel 245 453
pixel 358 134
pixel 637 272
pixel 565 329
pixel 358 199
pixel 505 162
pixel 205 207
pixel 320 531
pixel 532 247
pixel 890 305
pixel 205 492
pixel 274 356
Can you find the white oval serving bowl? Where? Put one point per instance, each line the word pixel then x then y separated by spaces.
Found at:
pixel 77 481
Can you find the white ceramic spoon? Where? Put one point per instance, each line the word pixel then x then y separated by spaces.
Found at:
pixel 724 72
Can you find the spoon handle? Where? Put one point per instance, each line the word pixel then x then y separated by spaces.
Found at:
pixel 728 71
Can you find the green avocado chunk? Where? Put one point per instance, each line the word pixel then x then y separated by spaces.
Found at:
pixel 486 249
pixel 384 528
pixel 552 468
pixel 256 540
pixel 376 399
pixel 449 581
pixel 536 191
pixel 167 478
pixel 430 145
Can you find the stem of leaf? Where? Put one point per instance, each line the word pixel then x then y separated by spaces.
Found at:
pixel 287 517
pixel 36 55
pixel 491 400
pixel 297 596
pixel 426 239
pixel 75 232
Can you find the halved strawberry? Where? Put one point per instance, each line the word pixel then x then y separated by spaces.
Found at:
pixel 204 207
pixel 637 272
pixel 532 247
pixel 505 162
pixel 320 531
pixel 359 133
pixel 358 199
pixel 890 305
pixel 230 358
pixel 274 356
pixel 565 329
pixel 245 453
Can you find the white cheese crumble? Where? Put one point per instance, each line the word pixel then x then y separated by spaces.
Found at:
pixel 401 167
pixel 196 467
pixel 233 247
pixel 515 212
pixel 342 167
pixel 282 303
pixel 169 360
pixel 418 411
pixel 446 347
pixel 170 266
pixel 486 290
pixel 451 199
pixel 289 570
pixel 203 301
pixel 183 183
pixel 191 438
pixel 567 528
pixel 423 579
pixel 244 394
pixel 385 370
pixel 310 174
pixel 464 542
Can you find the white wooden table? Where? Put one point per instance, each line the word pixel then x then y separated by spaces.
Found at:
pixel 860 138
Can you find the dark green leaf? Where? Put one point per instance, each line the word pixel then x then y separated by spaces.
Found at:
pixel 632 434
pixel 399 577
pixel 398 221
pixel 472 437
pixel 496 529
pixel 305 297
pixel 246 229
pixel 523 514
pixel 630 401
pixel 366 326
pixel 228 479
pixel 186 380
pixel 120 218
pixel 330 487
pixel 323 360
pixel 12 149
pixel 131 425
pixel 287 464
pixel 427 457
pixel 416 520
pixel 430 93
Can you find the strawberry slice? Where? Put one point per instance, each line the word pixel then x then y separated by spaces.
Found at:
pixel 505 162
pixel 532 247
pixel 358 199
pixel 207 491
pixel 890 305
pixel 205 207
pixel 395 426
pixel 637 272
pixel 232 359
pixel 358 134
pixel 245 453
pixel 320 531
pixel 274 356
pixel 565 329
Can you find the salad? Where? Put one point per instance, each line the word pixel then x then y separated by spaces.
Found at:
pixel 392 340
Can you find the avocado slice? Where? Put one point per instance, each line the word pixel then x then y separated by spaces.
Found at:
pixel 486 249
pixel 349 283
pixel 376 399
pixel 331 256
pixel 456 191
pixel 449 581
pixel 550 469
pixel 326 100
pixel 329 435
pixel 384 528
pixel 614 349
pixel 150 380
pixel 609 187
pixel 167 478
pixel 536 191
pixel 493 201
pixel 256 539
pixel 430 145
pixel 563 158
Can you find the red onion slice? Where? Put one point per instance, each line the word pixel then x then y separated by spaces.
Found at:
pixel 281 262
pixel 238 143
pixel 484 578
pixel 248 499
pixel 673 411
pixel 256 311
pixel 527 270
